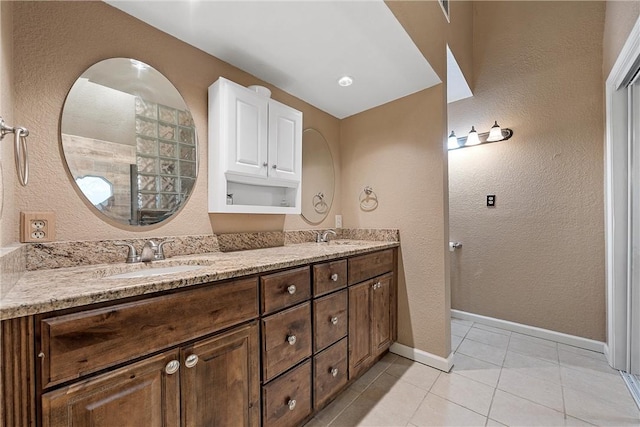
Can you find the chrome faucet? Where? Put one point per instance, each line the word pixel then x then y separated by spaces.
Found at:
pixel 151 251
pixel 324 237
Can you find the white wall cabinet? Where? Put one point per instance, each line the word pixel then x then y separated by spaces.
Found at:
pixel 255 152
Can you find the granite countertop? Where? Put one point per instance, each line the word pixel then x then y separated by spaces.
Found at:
pixel 41 291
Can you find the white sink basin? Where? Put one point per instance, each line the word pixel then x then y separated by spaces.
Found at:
pixel 155 271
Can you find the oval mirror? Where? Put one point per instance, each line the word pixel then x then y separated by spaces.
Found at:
pixel 129 142
pixel 317 177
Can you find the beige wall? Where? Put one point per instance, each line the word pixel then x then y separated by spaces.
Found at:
pixel 397 150
pixel 8 217
pixel 538 257
pixel 58 41
pixel 620 17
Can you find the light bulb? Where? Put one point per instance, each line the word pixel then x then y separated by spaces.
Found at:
pixel 452 142
pixel 345 81
pixel 472 138
pixel 495 134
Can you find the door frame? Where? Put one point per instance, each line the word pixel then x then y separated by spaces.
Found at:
pixel 617 196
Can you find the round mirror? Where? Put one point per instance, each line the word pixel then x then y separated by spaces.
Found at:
pixel 129 142
pixel 317 177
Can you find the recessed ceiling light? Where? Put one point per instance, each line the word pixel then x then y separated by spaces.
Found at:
pixel 345 81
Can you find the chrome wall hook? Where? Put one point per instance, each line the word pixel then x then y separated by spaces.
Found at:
pixel 20 149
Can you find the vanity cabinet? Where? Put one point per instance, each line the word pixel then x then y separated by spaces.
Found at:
pixel 372 309
pixel 255 154
pixel 210 378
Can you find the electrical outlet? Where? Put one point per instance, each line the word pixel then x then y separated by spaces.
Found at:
pixel 491 200
pixel 338 221
pixel 37 227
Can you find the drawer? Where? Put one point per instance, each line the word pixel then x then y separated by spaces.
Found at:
pixel 286 401
pixel 329 319
pixel 329 373
pixel 281 290
pixel 329 276
pixel 365 267
pixel 77 344
pixel 286 340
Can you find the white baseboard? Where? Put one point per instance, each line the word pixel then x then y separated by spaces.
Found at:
pixel 423 357
pixel 586 343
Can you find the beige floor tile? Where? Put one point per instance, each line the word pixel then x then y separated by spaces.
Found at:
pixel 461 322
pixel 455 342
pixel 494 423
pixel 574 422
pixel 482 351
pixel 516 411
pixel 536 340
pixel 459 329
pixel 492 329
pixel 331 411
pixel 415 373
pixel 533 348
pixel 605 386
pixel 582 352
pixel 368 377
pixel 436 411
pixel 388 401
pixel 594 409
pixel 464 391
pixel 573 360
pixel 476 369
pixel 533 367
pixel 543 392
pixel 488 337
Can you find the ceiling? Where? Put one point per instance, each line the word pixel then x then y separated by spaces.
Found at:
pixel 302 47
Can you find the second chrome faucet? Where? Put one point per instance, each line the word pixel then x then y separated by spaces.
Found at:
pixel 151 251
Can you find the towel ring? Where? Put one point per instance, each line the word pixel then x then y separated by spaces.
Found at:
pixel 20 150
pixel 368 199
pixel 319 204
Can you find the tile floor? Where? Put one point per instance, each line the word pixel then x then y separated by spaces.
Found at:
pixel 499 378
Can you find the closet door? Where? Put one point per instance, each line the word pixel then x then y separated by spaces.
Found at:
pixel 634 227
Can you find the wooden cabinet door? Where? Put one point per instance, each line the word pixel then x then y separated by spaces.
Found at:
pixel 246 130
pixel 381 325
pixel 221 380
pixel 360 347
pixel 146 393
pixel 285 142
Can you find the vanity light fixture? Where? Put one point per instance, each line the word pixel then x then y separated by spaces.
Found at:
pixel 345 81
pixel 474 138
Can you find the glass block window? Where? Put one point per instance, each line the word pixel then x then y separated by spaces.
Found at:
pixel 166 157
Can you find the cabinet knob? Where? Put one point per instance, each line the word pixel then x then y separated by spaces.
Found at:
pixel 291 339
pixel 334 277
pixel 276 167
pixel 291 404
pixel 291 289
pixel 334 320
pixel 334 372
pixel 191 361
pixel 265 164
pixel 172 367
pixel 376 285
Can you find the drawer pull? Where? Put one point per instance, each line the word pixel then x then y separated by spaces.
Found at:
pixel 334 320
pixel 334 372
pixel 191 361
pixel 291 404
pixel 334 277
pixel 172 367
pixel 291 289
pixel 291 339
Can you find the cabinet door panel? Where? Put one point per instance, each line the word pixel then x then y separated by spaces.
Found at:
pixel 285 142
pixel 247 139
pixel 223 387
pixel 360 348
pixel 381 318
pixel 142 394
